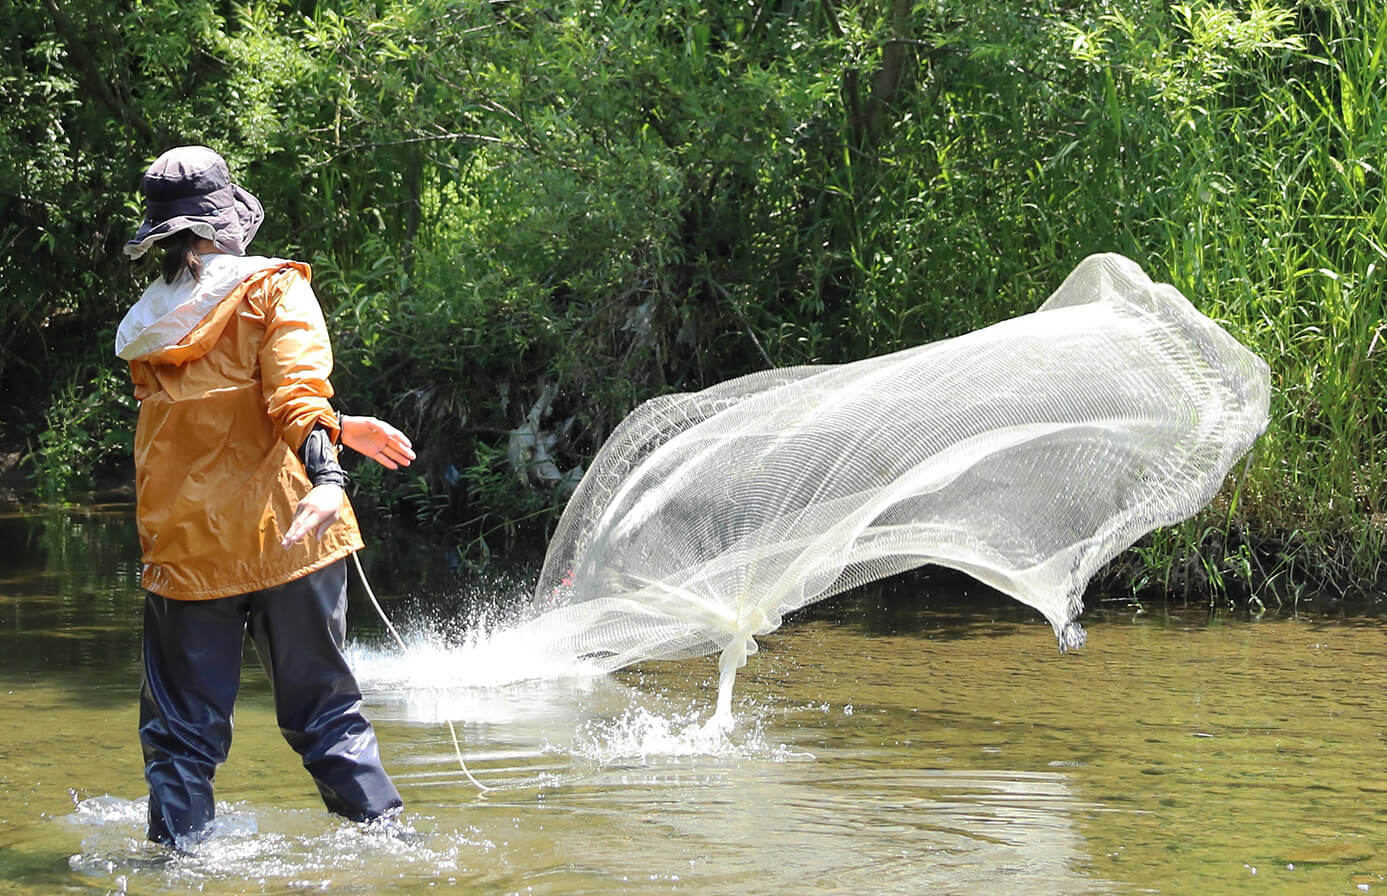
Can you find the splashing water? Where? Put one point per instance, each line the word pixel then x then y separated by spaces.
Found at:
pixel 1026 454
pixel 490 676
pixel 640 733
pixel 301 846
pixel 483 655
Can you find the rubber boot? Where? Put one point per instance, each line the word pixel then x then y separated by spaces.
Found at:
pixel 192 670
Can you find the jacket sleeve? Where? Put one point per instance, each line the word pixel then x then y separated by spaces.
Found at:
pixel 296 360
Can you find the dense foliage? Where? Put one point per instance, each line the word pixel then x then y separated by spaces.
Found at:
pixel 524 218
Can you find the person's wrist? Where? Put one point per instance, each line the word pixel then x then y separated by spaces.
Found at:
pixel 351 431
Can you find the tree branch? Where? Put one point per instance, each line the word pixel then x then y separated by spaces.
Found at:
pixel 95 81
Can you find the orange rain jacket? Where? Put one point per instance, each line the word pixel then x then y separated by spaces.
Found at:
pixel 223 412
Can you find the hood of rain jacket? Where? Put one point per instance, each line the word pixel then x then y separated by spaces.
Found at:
pixel 231 372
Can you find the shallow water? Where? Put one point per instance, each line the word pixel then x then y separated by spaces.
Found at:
pixel 945 748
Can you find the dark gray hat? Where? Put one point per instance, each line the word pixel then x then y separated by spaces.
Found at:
pixel 190 188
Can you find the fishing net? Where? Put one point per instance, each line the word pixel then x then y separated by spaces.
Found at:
pixel 1026 454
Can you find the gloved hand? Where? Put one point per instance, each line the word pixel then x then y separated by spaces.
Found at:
pixel 377 440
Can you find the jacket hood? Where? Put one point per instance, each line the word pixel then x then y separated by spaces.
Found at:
pixel 167 312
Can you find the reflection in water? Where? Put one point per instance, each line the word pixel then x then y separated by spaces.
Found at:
pixel 66 580
pixel 896 749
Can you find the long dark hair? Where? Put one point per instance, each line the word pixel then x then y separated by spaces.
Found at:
pixel 180 254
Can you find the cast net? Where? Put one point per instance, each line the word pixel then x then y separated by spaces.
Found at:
pixel 1026 454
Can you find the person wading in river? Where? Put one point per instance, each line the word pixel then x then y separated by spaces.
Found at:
pixel 241 511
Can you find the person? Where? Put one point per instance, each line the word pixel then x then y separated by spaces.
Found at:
pixel 240 503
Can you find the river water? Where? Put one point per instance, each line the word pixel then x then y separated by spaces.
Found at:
pixel 934 744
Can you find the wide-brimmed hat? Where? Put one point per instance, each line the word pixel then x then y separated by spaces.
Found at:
pixel 190 188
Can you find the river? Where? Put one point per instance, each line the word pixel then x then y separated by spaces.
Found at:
pixel 935 744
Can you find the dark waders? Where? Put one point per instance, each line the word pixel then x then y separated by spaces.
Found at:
pixel 192 670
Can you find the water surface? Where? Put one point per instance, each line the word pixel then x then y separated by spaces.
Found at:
pixel 937 744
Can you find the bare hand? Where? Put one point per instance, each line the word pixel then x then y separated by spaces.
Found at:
pixel 316 513
pixel 377 440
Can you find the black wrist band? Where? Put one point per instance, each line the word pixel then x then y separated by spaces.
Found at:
pixel 320 459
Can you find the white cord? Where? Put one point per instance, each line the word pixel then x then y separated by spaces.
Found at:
pixel 375 603
pixel 457 748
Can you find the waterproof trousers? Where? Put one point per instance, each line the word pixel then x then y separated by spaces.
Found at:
pixel 192 670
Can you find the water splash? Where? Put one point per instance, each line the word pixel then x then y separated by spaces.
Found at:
pixel 484 673
pixel 640 735
pixel 483 677
pixel 486 650
pixel 294 848
pixel 564 718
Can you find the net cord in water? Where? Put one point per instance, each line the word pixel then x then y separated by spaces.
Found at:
pixel 370 593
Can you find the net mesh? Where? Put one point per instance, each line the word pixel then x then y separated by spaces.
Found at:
pixel 1026 454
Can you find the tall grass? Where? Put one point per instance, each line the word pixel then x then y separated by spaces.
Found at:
pixel 1274 222
pixel 1233 149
